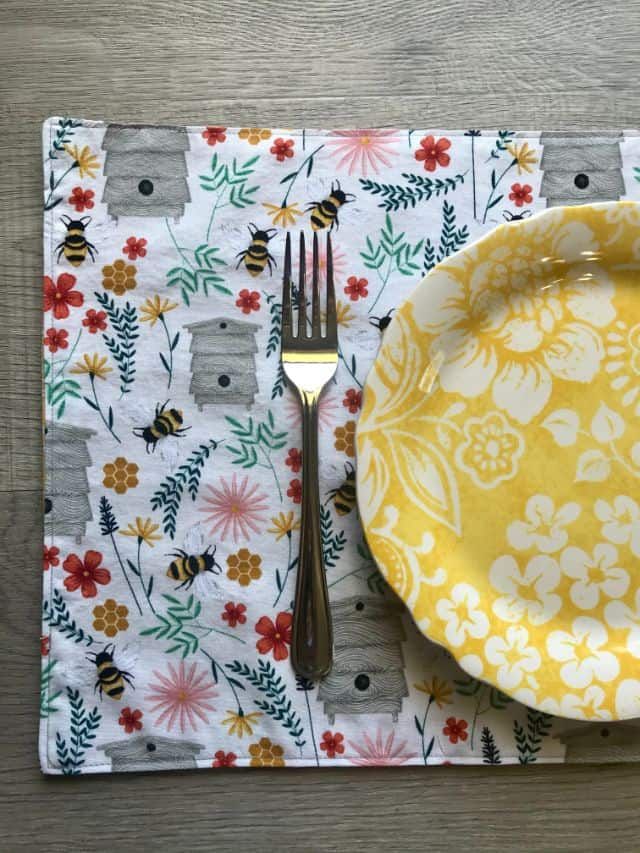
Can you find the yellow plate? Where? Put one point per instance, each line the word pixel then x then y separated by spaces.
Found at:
pixel 498 470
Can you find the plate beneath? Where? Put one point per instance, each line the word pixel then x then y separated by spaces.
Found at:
pixel 498 473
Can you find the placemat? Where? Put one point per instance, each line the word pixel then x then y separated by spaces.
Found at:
pixel 172 446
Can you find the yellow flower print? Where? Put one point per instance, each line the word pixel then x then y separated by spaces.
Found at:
pixel 254 135
pixel 491 450
pixel 240 723
pixel 344 314
pixel 524 156
pixel 144 530
pixel 437 690
pixel 154 309
pixel 283 525
pixel 266 754
pixel 283 215
pixel 95 365
pixel 86 162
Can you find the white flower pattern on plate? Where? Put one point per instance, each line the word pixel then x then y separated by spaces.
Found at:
pixel 490 451
pixel 544 526
pixel 582 654
pixel 621 522
pixel 462 615
pixel 594 574
pixel 628 699
pixel 589 706
pixel 619 615
pixel 512 656
pixel 526 593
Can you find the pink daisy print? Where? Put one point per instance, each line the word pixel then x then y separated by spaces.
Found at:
pixel 181 697
pixel 339 264
pixel 381 751
pixel 327 409
pixel 359 151
pixel 236 508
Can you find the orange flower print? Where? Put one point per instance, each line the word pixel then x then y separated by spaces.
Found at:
pixel 275 637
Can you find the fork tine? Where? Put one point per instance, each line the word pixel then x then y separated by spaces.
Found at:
pixel 315 303
pixel 286 290
pixel 302 300
pixel 332 326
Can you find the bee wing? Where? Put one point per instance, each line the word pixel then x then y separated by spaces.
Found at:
pixel 194 539
pixel 126 657
pixel 206 586
pixel 170 451
pixel 137 414
pixel 78 673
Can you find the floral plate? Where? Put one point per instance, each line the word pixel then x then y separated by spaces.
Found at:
pixel 499 456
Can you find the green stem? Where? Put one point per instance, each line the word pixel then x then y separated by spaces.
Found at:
pixel 206 631
pixel 313 736
pixel 295 176
pixel 57 184
pixel 492 193
pixel 164 323
pixel 92 379
pixel 180 251
pixel 424 725
pixel 344 361
pixel 290 566
pixel 273 471
pixel 124 572
pixel 142 583
pixel 476 715
pixel 216 206
pixel 68 359
pixel 226 678
pixel 384 280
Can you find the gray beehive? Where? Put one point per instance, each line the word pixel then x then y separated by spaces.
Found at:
pixel 601 742
pixel 367 676
pixel 148 752
pixel 581 167
pixel 146 171
pixel 223 365
pixel 66 502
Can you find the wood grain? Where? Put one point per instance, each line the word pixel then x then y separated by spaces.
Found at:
pixel 364 63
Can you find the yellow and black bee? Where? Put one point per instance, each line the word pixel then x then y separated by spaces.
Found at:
pixel 75 245
pixel 111 673
pixel 344 497
pixel 257 256
pixel 187 568
pixel 324 214
pixel 166 422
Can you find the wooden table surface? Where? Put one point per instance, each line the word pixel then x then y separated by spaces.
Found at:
pixel 452 64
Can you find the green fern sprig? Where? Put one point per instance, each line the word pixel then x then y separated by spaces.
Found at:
pixel 168 496
pixel 490 751
pixel 529 740
pixel 82 732
pixel 505 137
pixel 122 346
pixel 174 626
pixel 56 614
pixel 452 238
pixel 420 189
pixel 64 133
pixel 47 699
pixel 333 544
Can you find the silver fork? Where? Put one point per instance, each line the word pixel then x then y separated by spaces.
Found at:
pixel 309 362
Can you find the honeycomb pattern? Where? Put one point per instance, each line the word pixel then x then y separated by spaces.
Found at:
pixel 346 438
pixel 119 277
pixel 266 754
pixel 244 567
pixel 110 617
pixel 120 475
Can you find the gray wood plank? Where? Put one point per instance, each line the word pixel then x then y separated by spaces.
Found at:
pixel 364 63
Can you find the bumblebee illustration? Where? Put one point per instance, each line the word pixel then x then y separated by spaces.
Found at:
pixel 166 422
pixel 75 245
pixel 324 214
pixel 257 256
pixel 381 323
pixel 515 217
pixel 188 567
pixel 113 671
pixel 344 497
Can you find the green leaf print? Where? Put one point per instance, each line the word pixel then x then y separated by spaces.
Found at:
pixel 121 345
pixel 256 440
pixel 529 740
pixel 48 699
pixel 175 626
pixel 490 752
pixel 56 614
pixel 82 732
pixel 419 188
pixel 391 254
pixel 333 544
pixel 452 238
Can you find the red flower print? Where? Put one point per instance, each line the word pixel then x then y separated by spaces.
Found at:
pixel 214 134
pixel 294 460
pixel 353 400
pixel 248 301
pixel 455 730
pixel 521 194
pixel 95 320
pixel 356 288
pixel 276 637
pixel 432 153
pixel 295 491
pixel 282 148
pixel 134 248
pixel 85 573
pixel 50 557
pixel 81 199
pixel 234 614
pixel 130 720
pixel 44 646
pixel 332 744
pixel 56 339
pixel 58 296
pixel 224 759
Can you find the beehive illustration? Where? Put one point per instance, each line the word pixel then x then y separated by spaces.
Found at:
pixel 581 167
pixel 601 742
pixel 66 501
pixel 146 171
pixel 367 676
pixel 148 752
pixel 223 365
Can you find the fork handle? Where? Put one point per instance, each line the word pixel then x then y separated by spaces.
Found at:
pixel 312 641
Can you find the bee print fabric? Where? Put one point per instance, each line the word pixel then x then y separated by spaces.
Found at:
pixel 173 447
